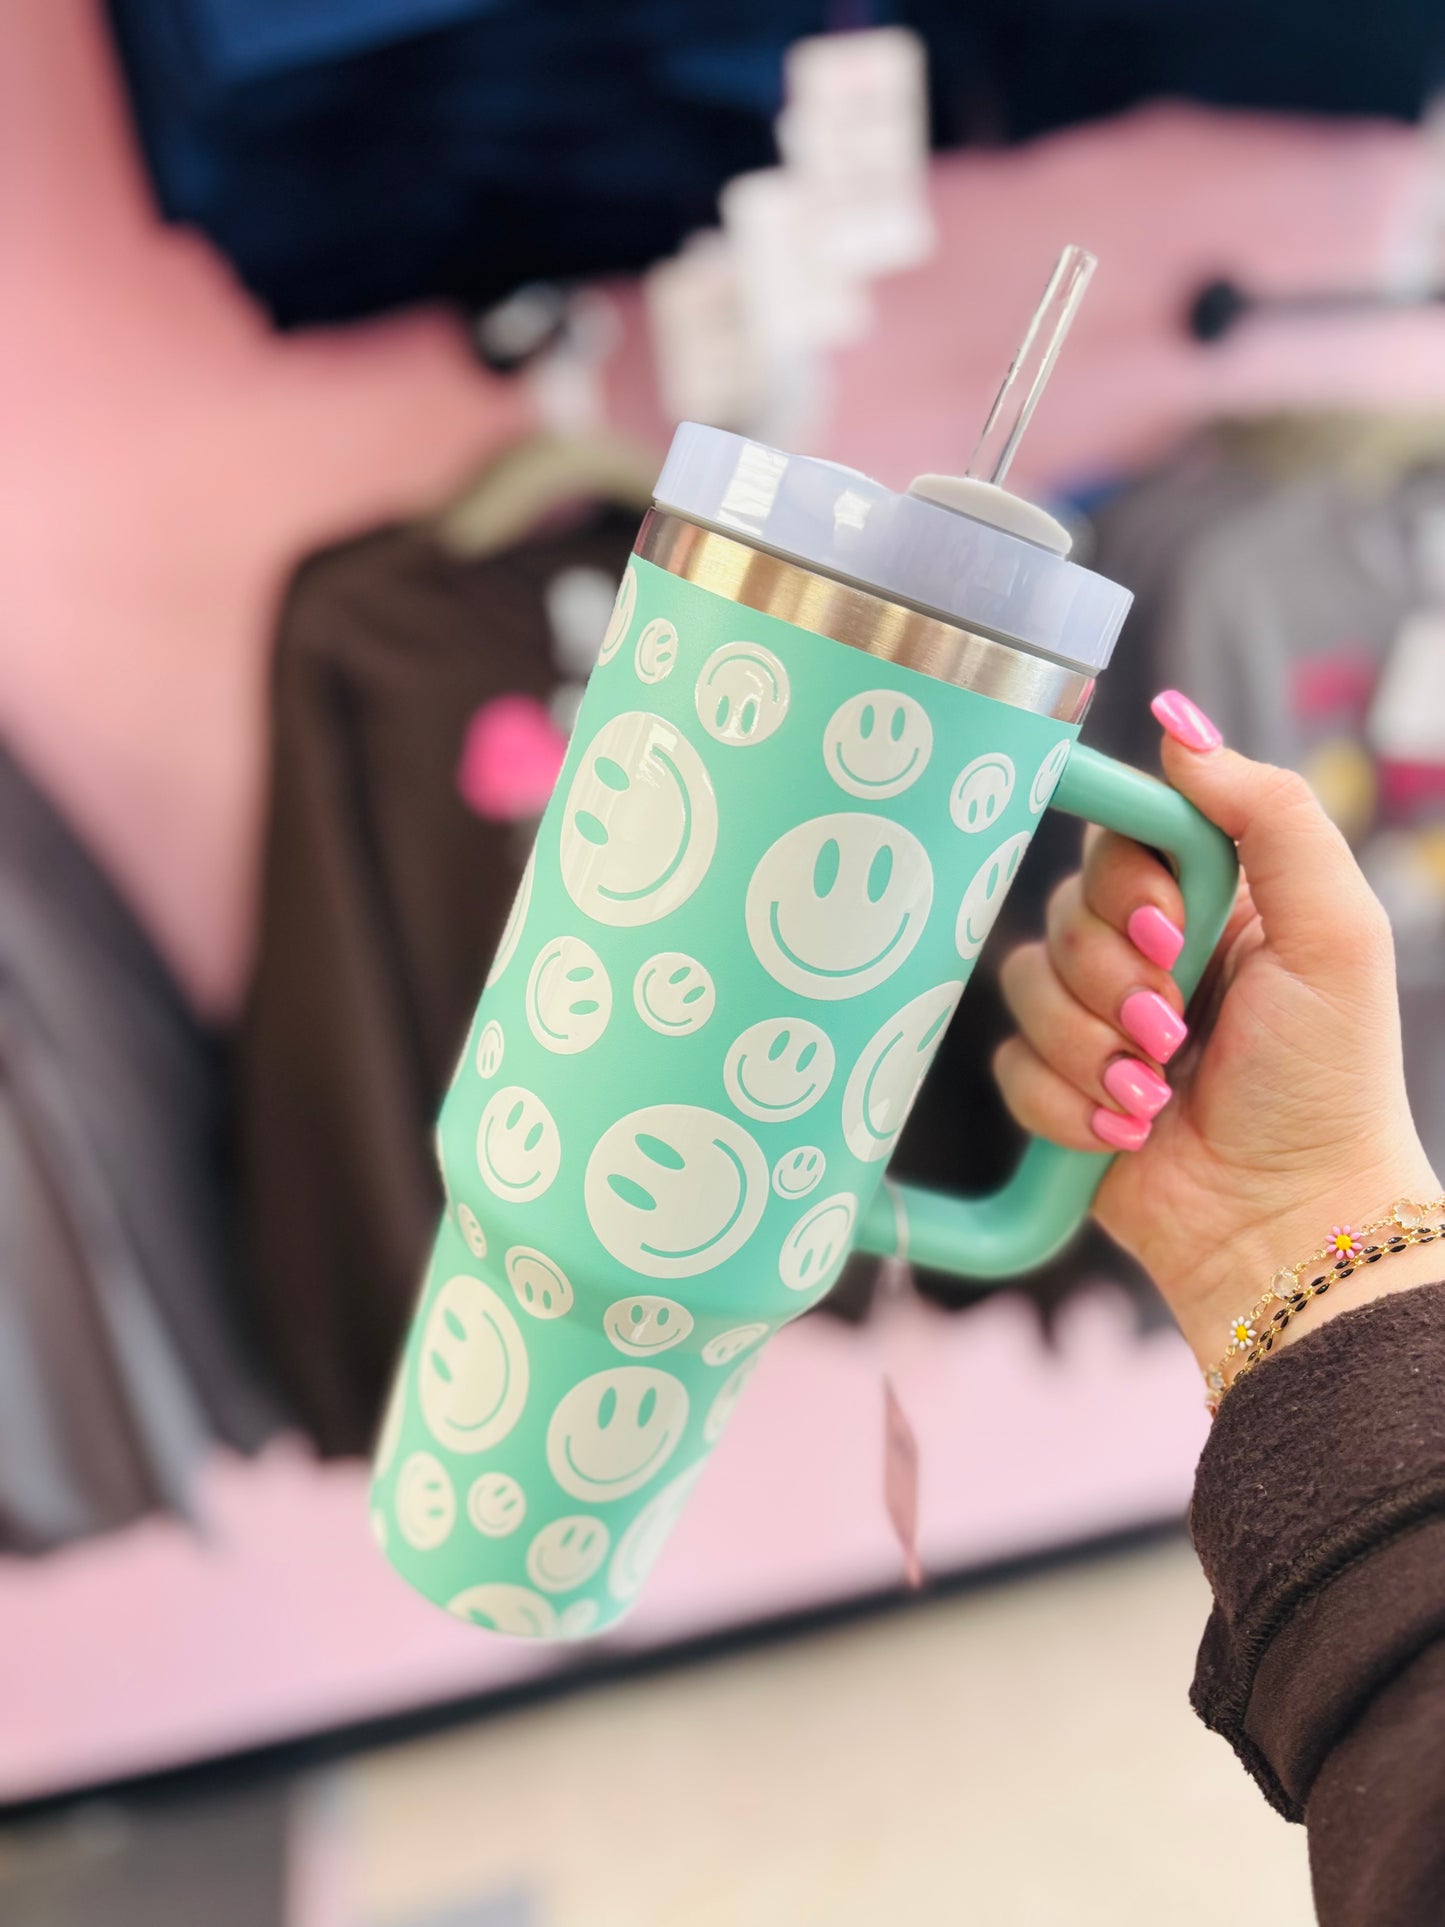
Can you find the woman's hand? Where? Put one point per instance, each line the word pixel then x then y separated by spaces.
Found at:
pixel 1288 1111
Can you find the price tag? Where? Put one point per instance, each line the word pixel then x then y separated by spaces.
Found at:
pixel 900 1481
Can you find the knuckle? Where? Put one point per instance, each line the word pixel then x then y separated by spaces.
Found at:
pixel 1286 793
pixel 1019 968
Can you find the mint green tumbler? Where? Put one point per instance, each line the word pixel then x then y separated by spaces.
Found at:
pixel 824 723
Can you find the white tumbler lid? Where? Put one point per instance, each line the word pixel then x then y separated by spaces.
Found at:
pixel 948 561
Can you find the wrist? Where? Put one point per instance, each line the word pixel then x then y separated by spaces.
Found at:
pixel 1249 1255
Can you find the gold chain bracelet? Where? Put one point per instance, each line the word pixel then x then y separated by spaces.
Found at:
pixel 1252 1337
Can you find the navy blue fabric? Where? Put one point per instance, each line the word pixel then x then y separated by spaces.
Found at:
pixel 564 138
pixel 349 155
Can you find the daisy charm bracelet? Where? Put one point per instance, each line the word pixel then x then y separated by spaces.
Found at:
pixel 1251 1338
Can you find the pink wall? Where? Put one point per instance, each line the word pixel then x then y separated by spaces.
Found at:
pixel 165 459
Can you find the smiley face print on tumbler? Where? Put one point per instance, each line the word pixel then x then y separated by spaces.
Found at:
pixel 426 1505
pixel 646 1325
pixel 778 1069
pixel 565 1554
pixel 620 621
pixel 674 994
pixel 877 744
pixel 742 694
pixel 491 1047
pixel 569 996
pixel 472 1375
pixel 638 1548
pixel 981 792
pixel 639 826
pixel 539 1283
pixel 655 657
pixel 1049 772
pixel 496 1504
pixel 796 1173
pixel 512 929
pixel 518 1149
pixel 983 899
pixel 814 1250
pixel 836 905
pixel 674 1190
pixel 504 1608
pixel 615 1431
pixel 884 1082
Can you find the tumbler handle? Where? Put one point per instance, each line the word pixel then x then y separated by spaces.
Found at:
pixel 1048 1197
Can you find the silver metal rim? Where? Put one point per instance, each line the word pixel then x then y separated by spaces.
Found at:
pixel 841 611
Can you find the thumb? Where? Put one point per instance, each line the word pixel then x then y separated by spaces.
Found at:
pixel 1312 898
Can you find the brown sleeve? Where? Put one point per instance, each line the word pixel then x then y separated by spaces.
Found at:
pixel 1319 1517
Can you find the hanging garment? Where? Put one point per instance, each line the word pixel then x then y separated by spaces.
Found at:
pixel 350 155
pixel 121 1362
pixel 421 700
pixel 1278 611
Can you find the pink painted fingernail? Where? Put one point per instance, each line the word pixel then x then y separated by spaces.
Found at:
pixel 1155 936
pixel 1119 1133
pixel 1185 721
pixel 1152 1024
pixel 1135 1088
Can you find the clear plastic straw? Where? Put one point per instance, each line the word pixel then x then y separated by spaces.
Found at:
pixel 1032 365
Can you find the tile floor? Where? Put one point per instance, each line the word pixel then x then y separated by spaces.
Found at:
pixel 1023 1757
pixel 1017 1757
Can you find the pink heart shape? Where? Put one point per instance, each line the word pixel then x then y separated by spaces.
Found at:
pixel 510 759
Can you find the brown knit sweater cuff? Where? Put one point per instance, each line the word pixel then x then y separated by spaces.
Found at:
pixel 1319 1517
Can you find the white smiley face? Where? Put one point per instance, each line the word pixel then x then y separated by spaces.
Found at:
pixel 390 1435
pixel 877 744
pixel 569 996
pixel 472 1378
pixel 725 1404
pixel 518 1149
pixel 579 1618
pixel 815 1249
pixel 727 1346
pixel 674 1190
pixel 496 1504
pixel 566 1553
pixel 779 1068
pixel 620 621
pixel 490 1048
pixel 1050 770
pixel 983 899
pixel 796 1173
pixel 742 694
pixel 471 1230
pixel 538 1282
pixel 639 826
pixel 656 654
pixel 638 1548
pixel 674 994
pixel 426 1506
pixel 836 905
pixel 981 792
pixel 508 1609
pixel 512 928
pixel 642 1326
pixel 615 1431
pixel 889 1073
